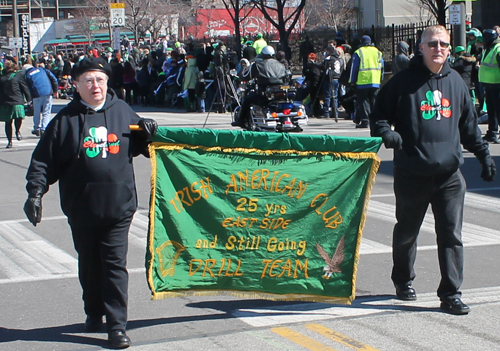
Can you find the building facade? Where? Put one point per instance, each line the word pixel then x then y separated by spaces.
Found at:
pixel 382 13
pixel 486 13
pixel 54 9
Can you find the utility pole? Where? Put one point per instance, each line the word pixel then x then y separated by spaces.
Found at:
pixel 15 18
pixel 457 19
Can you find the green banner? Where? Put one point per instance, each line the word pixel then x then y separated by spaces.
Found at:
pixel 261 215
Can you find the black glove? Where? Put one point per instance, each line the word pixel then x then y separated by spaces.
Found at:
pixel 148 128
pixel 33 206
pixel 489 168
pixel 392 139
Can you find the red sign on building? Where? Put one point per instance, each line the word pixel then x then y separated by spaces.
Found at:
pixel 218 22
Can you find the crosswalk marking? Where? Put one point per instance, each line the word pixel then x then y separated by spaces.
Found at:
pixel 139 230
pixel 472 234
pixel 482 202
pixel 33 255
pixel 21 143
pixel 361 306
pixel 26 256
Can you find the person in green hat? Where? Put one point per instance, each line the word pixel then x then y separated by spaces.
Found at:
pixel 472 35
pixel 259 44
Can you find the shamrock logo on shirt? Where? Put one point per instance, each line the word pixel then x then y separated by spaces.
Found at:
pixel 99 141
pixel 435 105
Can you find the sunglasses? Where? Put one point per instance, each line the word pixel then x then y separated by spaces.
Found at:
pixel 434 44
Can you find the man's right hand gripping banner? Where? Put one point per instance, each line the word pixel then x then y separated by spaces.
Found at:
pixel 258 215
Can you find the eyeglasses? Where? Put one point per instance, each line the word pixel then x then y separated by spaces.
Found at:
pixel 434 44
pixel 99 81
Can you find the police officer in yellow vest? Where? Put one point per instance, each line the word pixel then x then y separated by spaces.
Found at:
pixel 367 70
pixel 489 75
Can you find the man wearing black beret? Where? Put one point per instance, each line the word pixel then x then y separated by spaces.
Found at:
pixel 89 148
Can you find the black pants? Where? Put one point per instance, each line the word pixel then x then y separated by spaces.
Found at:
pixel 131 88
pixel 365 100
pixel 102 261
pixel 244 118
pixel 445 193
pixel 315 96
pixel 492 93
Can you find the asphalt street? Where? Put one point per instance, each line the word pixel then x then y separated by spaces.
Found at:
pixel 40 296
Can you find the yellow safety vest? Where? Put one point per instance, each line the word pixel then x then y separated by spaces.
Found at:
pixel 259 44
pixel 370 65
pixel 489 72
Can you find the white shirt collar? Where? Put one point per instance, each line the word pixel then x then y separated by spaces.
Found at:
pixel 95 108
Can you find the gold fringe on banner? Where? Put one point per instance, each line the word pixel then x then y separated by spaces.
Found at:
pixel 253 295
pixel 152 157
pixel 369 186
pixel 352 155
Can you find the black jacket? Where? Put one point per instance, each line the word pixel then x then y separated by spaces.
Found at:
pixel 464 65
pixel 268 71
pixel 434 114
pixel 90 154
pixel 14 89
pixel 312 75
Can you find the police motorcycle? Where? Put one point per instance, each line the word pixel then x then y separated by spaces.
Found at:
pixel 278 111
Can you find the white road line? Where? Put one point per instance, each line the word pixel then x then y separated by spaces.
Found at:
pixel 482 202
pixel 138 232
pixel 35 256
pixel 26 256
pixel 472 234
pixel 307 312
pixel 56 277
pixel 19 143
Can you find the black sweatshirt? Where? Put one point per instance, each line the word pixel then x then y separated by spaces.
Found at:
pixel 434 114
pixel 90 153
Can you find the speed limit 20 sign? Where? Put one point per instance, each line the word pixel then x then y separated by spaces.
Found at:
pixel 117 11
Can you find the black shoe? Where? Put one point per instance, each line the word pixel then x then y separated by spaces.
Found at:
pixel 118 339
pixel 406 292
pixel 9 145
pixel 322 116
pixel 362 125
pixel 19 136
pixel 93 324
pixel 491 138
pixel 35 132
pixel 454 306
pixel 236 124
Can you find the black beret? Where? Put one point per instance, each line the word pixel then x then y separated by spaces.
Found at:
pixel 90 64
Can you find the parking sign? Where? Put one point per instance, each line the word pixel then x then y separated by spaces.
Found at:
pixel 455 14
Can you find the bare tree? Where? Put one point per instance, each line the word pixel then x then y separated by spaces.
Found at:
pixel 333 14
pixel 234 8
pixel 150 15
pixel 436 7
pixel 99 9
pixel 137 16
pixel 422 14
pixel 93 18
pixel 283 21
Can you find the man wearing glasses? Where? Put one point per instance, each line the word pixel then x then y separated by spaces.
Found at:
pixel 430 109
pixel 88 148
